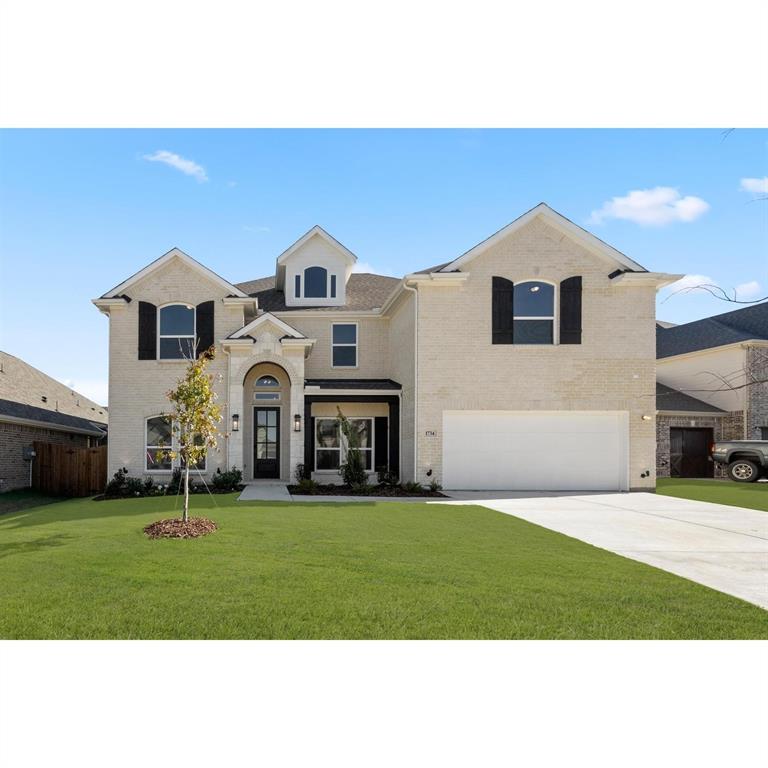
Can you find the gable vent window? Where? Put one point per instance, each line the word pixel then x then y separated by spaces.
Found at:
pixel 315 283
pixel 176 332
pixel 534 313
pixel 297 286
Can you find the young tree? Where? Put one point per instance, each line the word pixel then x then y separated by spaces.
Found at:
pixel 194 417
pixel 353 470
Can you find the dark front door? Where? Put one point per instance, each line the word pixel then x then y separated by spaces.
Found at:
pixel 689 452
pixel 266 442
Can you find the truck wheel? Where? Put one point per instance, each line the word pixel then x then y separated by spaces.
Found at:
pixel 743 471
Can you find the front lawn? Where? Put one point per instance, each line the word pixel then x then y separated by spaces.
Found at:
pixel 750 495
pixel 82 569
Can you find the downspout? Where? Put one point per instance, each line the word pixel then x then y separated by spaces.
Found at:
pixel 415 378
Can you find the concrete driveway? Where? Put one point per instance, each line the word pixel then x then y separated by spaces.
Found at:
pixel 722 547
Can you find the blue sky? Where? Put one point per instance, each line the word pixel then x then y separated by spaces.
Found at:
pixel 81 210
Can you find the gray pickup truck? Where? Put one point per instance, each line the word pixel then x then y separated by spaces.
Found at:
pixel 747 460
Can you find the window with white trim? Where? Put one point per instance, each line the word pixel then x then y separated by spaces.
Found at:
pixel 331 446
pixel 344 345
pixel 534 313
pixel 267 388
pixel 315 283
pixel 160 442
pixel 176 332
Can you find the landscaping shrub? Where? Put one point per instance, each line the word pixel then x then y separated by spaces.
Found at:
pixel 434 486
pixel 411 487
pixel 307 485
pixel 116 485
pixel 227 481
pixel 134 486
pixel 301 473
pixel 387 477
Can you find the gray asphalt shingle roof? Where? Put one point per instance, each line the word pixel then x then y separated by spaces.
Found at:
pixel 364 291
pixel 729 328
pixel 54 418
pixel 353 383
pixel 668 399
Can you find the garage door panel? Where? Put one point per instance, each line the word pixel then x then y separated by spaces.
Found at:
pixel 535 450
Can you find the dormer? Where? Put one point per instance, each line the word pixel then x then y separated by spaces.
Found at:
pixel 314 271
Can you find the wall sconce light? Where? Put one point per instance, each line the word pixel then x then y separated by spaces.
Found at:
pixel 235 422
pixel 646 417
pixel 297 422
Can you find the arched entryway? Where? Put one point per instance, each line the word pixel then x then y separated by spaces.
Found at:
pixel 267 423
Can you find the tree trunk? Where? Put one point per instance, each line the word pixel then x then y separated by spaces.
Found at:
pixel 186 492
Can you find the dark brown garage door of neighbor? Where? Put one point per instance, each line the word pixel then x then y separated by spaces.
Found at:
pixel 689 451
pixel 64 471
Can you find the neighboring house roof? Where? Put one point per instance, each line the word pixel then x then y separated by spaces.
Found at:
pixel 665 324
pixel 668 399
pixel 23 384
pixel 559 222
pixel 364 291
pixel 20 412
pixel 353 383
pixel 746 324
pixel 263 319
pixel 174 253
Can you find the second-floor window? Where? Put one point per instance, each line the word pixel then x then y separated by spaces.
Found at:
pixel 344 345
pixel 176 337
pixel 534 313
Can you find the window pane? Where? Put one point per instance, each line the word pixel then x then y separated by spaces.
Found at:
pixel 267 381
pixel 315 283
pixel 328 459
pixel 344 334
pixel 327 433
pixel 267 395
pixel 345 356
pixel 177 349
pixel 532 331
pixel 362 428
pixel 534 299
pixel 158 431
pixel 367 458
pixel 177 320
pixel 157 458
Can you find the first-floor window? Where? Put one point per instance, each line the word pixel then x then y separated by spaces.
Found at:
pixel 331 446
pixel 159 443
pixel 764 433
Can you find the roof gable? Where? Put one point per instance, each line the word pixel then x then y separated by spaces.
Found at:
pixel 173 254
pixel 316 231
pixel 586 239
pixel 264 320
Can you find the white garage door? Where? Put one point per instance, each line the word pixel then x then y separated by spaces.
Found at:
pixel 535 450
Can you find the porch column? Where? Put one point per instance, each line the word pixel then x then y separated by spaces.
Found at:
pixel 235 438
pixel 296 441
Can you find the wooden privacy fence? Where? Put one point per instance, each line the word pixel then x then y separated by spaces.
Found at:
pixel 63 470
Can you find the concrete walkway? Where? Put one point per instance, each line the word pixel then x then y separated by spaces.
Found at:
pixel 722 547
pixel 265 491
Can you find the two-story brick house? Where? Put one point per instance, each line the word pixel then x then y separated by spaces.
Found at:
pixel 526 363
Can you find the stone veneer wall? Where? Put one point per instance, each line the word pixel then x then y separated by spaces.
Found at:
pixel 729 426
pixel 14 471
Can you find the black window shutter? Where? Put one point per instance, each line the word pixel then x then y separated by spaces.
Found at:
pixel 570 310
pixel 309 442
pixel 380 441
pixel 204 326
pixel 147 331
pixel 502 310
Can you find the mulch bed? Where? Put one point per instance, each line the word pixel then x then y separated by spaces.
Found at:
pixel 370 490
pixel 176 528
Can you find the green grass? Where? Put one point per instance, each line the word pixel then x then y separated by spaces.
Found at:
pixel 750 495
pixel 84 569
pixel 12 501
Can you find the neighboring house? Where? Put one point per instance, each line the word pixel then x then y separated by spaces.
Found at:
pixel 34 406
pixel 528 362
pixel 712 376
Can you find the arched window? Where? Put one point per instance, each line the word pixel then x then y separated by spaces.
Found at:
pixel 176 339
pixel 315 283
pixel 534 313
pixel 265 386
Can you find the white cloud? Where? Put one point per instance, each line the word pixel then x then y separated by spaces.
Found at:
pixel 690 282
pixel 364 266
pixel 189 167
pixel 750 290
pixel 756 186
pixel 652 207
